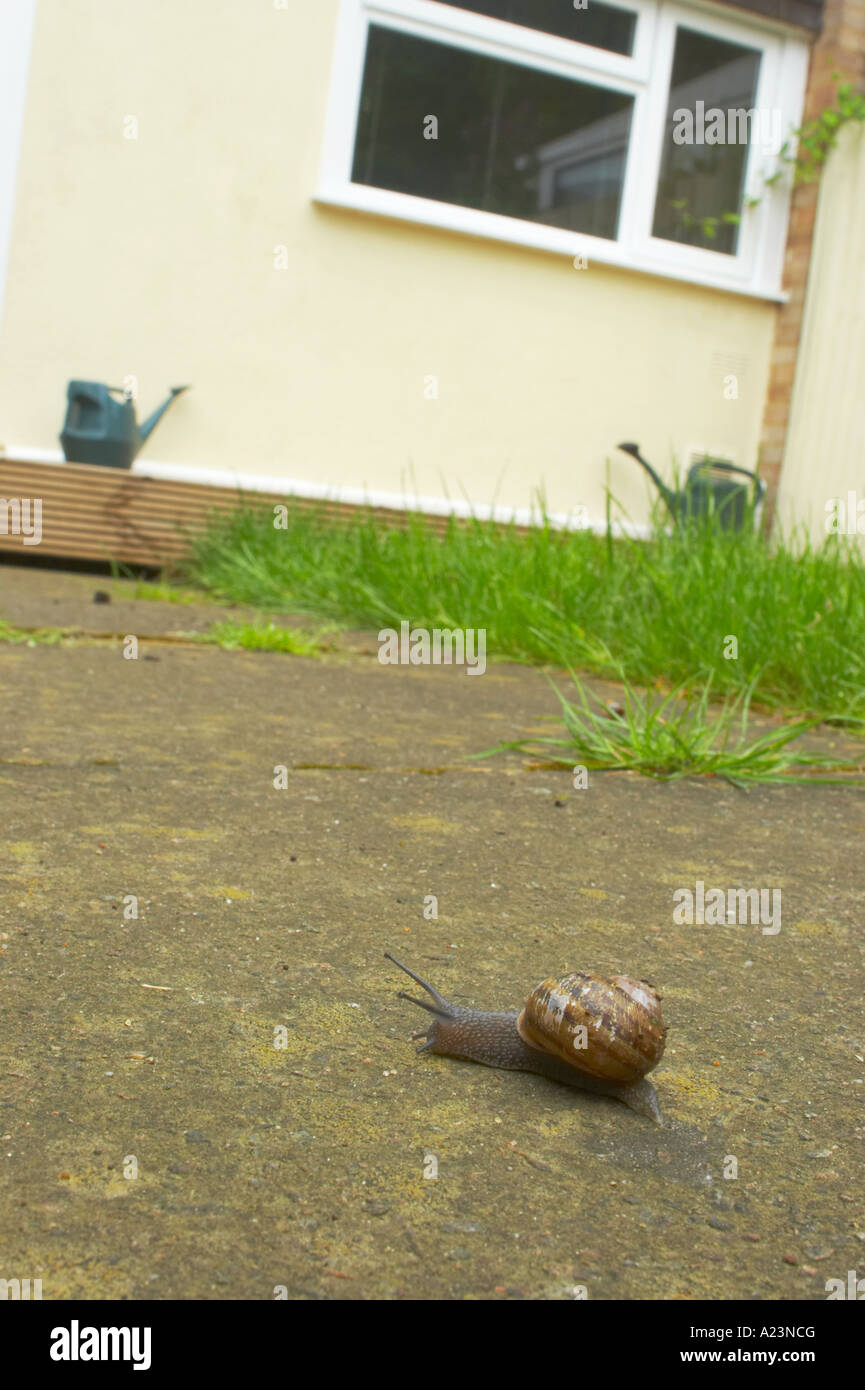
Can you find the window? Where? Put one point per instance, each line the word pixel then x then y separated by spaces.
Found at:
pixel 635 133
pixel 510 139
pixel 709 176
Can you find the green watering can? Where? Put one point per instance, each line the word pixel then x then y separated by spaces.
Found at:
pixel 706 492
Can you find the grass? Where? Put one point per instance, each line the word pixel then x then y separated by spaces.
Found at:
pixel 264 637
pixel 251 636
pixel 672 736
pixel 161 592
pixel 43 636
pixel 660 609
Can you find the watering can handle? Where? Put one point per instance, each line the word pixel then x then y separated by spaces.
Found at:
pixel 731 468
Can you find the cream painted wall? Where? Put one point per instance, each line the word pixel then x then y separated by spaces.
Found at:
pixel 155 257
pixel 825 452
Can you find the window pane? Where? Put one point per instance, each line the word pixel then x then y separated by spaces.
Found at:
pixel 600 26
pixel 510 140
pixel 702 176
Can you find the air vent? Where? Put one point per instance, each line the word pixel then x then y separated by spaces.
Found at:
pixel 696 453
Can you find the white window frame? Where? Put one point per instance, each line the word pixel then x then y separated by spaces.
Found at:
pixel 757 266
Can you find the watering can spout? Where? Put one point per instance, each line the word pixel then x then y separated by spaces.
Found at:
pixel 148 425
pixel 634 450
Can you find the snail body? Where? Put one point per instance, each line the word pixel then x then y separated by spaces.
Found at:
pixel 581 1030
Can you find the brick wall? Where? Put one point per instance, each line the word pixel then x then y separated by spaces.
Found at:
pixel 841 45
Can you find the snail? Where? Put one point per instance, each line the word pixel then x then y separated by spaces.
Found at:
pixel 582 1030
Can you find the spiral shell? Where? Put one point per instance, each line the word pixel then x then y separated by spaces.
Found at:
pixel 609 1029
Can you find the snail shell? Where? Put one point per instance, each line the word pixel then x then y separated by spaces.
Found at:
pixel 610 1029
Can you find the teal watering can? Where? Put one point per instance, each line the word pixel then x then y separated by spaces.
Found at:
pixel 99 429
pixel 705 492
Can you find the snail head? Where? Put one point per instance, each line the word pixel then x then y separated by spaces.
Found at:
pixel 441 1010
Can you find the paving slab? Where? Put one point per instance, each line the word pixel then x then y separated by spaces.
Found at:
pixel 208 1087
pixel 102 606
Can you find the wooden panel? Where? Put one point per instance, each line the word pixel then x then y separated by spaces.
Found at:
pixel 91 513
pixel 823 456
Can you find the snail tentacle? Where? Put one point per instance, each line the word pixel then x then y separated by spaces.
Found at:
pixel 422 1004
pixel 442 1007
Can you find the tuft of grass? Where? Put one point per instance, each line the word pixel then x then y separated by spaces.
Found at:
pixel 673 735
pixel 662 608
pixel 231 635
pixel 162 592
pixel 35 637
pixel 264 637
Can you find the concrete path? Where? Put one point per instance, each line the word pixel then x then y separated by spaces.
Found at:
pixel 156 1143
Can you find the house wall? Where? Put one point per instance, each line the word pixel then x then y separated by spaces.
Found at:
pixel 16 36
pixel 154 257
pixel 824 456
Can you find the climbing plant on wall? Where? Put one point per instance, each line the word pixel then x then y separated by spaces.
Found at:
pixel 815 139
